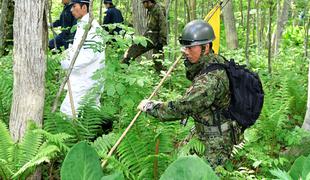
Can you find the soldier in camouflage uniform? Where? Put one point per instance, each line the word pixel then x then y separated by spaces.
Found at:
pixel 208 95
pixel 156 31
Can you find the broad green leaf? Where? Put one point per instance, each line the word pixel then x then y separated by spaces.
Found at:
pixel 120 88
pixel 116 176
pixel 81 163
pixel 110 90
pixel 306 168
pixel 189 167
pixel 296 169
pixel 281 174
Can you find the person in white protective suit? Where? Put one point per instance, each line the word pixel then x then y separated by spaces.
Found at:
pixel 87 62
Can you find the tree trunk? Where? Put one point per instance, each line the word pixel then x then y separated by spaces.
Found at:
pixel 29 54
pixel 4 13
pixel 192 9
pixel 258 35
pixel 306 40
pixel 100 13
pixel 247 34
pixel 241 12
pixel 187 12
pixel 6 24
pixel 176 24
pixel 306 124
pixel 269 36
pixel 139 16
pixel 230 26
pixel 262 28
pixel 203 7
pixel 281 21
pixel 168 5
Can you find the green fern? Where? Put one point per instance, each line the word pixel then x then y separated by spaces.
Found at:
pixel 18 160
pixel 6 87
pixel 5 141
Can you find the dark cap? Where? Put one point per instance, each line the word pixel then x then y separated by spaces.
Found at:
pixel 107 1
pixel 79 1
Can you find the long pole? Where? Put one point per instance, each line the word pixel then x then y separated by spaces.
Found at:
pixel 138 114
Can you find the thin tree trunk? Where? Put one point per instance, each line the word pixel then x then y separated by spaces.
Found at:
pixel 230 26
pixel 306 41
pixel 3 19
pixel 247 34
pixel 262 29
pixel 282 19
pixel 203 4
pixel 192 8
pixel 273 40
pixel 187 11
pixel 306 124
pixel 176 24
pixel 241 12
pixel 100 13
pixel 253 28
pixel 168 5
pixel 269 37
pixel 294 13
pixel 139 16
pixel 258 35
pixel 29 53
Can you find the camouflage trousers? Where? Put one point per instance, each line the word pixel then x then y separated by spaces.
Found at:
pixel 219 146
pixel 137 50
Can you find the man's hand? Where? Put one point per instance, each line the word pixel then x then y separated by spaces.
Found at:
pixel 147 105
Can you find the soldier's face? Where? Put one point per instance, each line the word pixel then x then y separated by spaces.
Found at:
pixel 78 11
pixel 192 53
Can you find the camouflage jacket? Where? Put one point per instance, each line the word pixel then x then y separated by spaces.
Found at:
pixel 207 94
pixel 156 25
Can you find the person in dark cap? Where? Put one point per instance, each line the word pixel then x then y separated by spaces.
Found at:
pixel 65 21
pixel 87 62
pixel 113 15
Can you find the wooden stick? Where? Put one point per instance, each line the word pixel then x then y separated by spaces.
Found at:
pixel 88 26
pixel 71 99
pixel 138 114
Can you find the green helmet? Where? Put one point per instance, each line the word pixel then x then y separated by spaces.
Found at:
pixel 197 32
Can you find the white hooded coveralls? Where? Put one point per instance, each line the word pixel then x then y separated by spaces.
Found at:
pixel 86 64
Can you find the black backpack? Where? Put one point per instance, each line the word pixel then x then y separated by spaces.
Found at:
pixel 247 95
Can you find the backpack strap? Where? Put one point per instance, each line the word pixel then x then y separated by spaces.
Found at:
pixel 213 67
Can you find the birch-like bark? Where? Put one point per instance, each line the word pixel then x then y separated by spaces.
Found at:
pixel 29 54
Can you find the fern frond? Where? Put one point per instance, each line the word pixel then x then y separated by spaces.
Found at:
pixel 30 144
pixel 194 146
pixel 5 171
pixel 132 152
pixel 91 121
pixel 56 139
pixel 44 154
pixel 104 143
pixel 5 141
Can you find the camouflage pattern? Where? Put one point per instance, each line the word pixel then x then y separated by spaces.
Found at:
pixel 208 94
pixel 156 25
pixel 157 32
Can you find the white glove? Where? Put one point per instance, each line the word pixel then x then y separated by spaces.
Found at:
pixel 147 105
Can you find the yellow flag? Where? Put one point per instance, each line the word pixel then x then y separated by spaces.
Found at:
pixel 214 20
